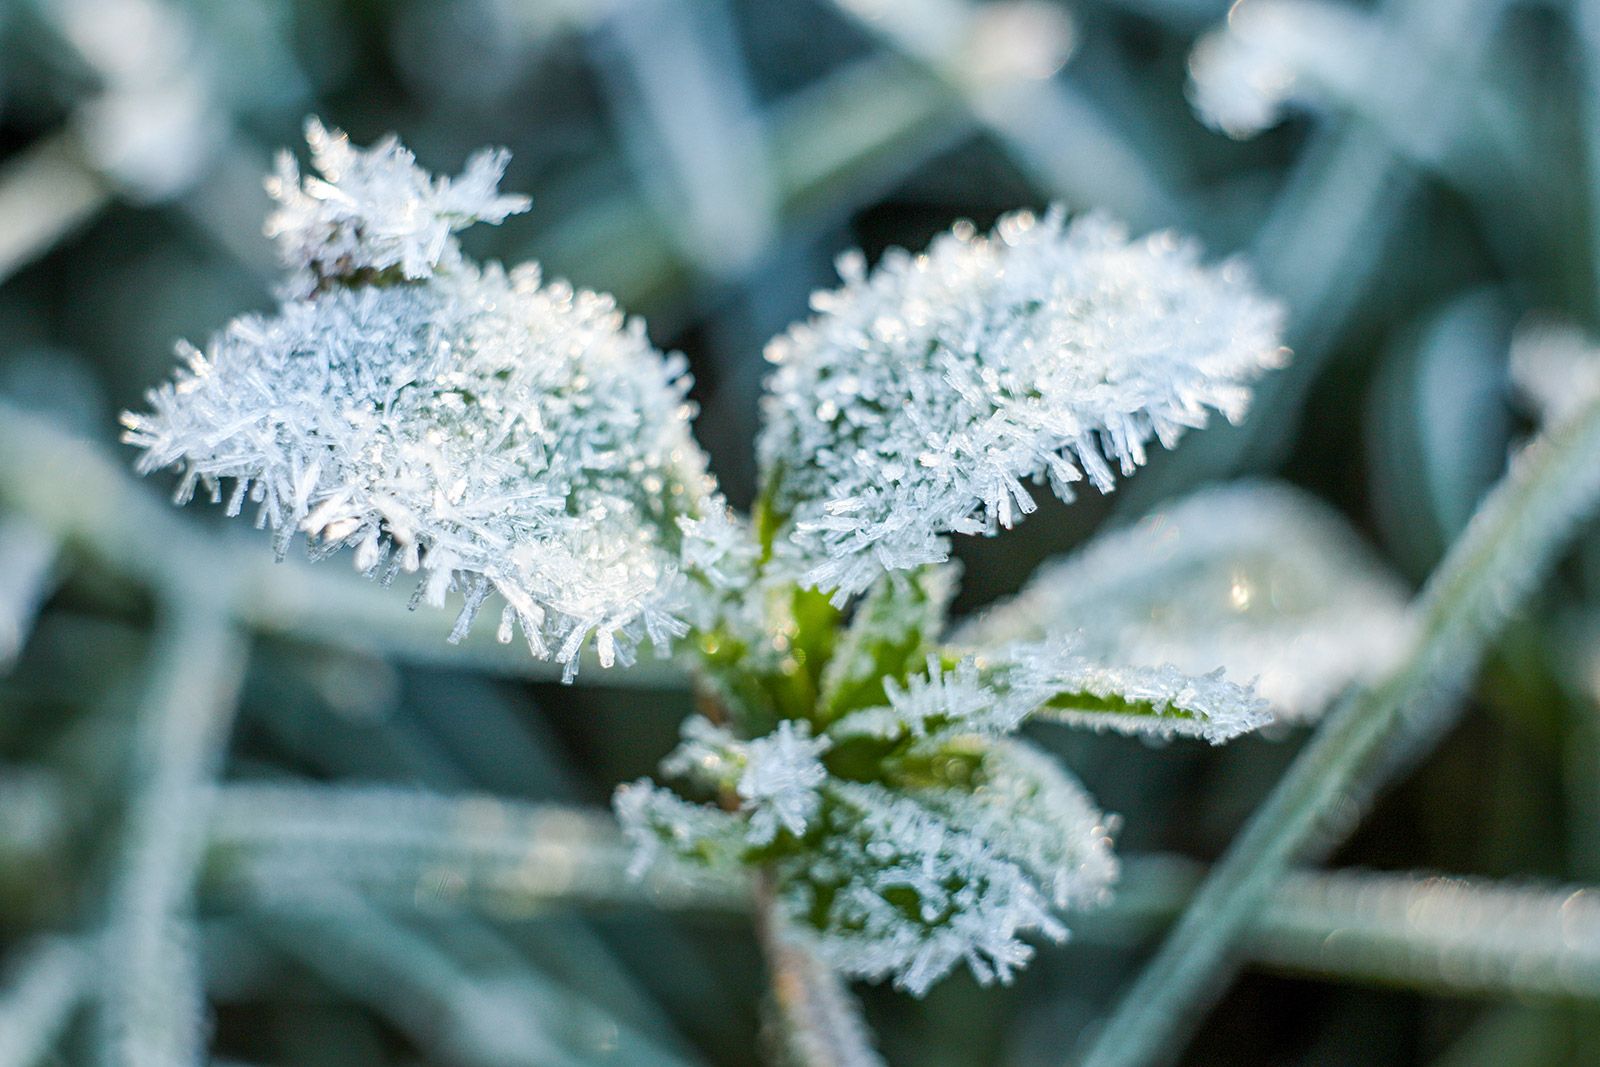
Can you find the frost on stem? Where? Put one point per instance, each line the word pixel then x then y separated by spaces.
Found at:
pixel 495 433
pixel 1257 578
pixel 923 395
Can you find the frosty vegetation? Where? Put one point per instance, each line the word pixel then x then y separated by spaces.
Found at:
pixel 501 436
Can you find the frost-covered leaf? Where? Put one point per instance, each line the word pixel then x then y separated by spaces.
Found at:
pixel 1257 578
pixel 1271 54
pixel 992 693
pixel 1036 815
pixel 889 633
pixel 896 891
pixel 498 434
pixel 1154 701
pixel 922 395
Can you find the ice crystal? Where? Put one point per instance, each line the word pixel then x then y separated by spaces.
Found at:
pixel 774 777
pixel 1273 53
pixel 495 433
pixel 374 210
pixel 1257 578
pixel 779 785
pixel 659 822
pixel 922 395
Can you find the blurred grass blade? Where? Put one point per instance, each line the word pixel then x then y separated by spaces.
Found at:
pixel 45 193
pixel 1510 543
pixel 1434 933
pixel 483 1017
pixel 1001 59
pixel 691 128
pixel 27 567
pixel 152 1006
pixel 41 988
pixel 411 848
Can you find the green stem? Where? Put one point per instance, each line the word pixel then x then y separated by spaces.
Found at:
pixel 1509 544
pixel 817 1022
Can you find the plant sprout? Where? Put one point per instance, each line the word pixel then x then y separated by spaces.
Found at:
pixel 501 436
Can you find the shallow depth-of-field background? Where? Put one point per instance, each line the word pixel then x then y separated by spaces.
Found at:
pixel 1433 187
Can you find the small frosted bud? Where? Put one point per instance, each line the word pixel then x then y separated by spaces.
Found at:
pixel 373 210
pixel 483 430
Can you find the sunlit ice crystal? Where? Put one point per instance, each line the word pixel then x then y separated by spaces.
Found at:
pixel 923 396
pixel 374 210
pixel 488 431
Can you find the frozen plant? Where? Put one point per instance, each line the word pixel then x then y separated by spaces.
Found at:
pixel 501 436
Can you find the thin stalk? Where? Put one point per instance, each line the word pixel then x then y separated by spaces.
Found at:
pixel 152 1003
pixel 817 1022
pixel 1510 543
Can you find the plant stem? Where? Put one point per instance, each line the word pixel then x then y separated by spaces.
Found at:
pixel 1509 544
pixel 818 1023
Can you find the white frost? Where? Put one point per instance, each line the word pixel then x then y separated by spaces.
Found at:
pixel 922 396
pixel 374 209
pixel 494 433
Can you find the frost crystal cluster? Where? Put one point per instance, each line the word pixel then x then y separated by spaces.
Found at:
pixel 500 436
pixel 922 396
pixel 495 434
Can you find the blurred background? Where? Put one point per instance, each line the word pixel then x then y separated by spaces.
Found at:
pixel 1423 180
